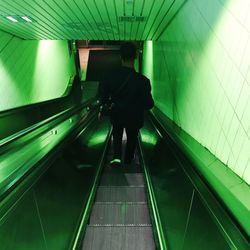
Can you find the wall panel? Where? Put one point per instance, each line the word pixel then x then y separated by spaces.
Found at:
pixel 32 71
pixel 203 61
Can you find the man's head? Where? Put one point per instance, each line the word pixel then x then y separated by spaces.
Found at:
pixel 128 52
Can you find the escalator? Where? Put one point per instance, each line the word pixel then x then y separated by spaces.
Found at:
pixel 77 201
pixel 159 202
pixel 42 205
pixel 120 216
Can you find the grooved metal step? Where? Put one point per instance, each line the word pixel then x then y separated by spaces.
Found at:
pixel 120 213
pixel 123 194
pixel 118 237
pixel 131 168
pixel 120 217
pixel 120 179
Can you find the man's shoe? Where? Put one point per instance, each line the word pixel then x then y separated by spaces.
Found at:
pixel 115 162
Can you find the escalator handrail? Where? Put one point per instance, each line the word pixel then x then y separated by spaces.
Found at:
pixel 26 181
pixel 21 117
pixel 84 217
pixel 235 235
pixel 155 211
pixel 34 127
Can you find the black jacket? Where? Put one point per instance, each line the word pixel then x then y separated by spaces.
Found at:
pixel 130 99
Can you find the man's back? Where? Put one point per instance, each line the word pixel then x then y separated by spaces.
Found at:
pixel 130 93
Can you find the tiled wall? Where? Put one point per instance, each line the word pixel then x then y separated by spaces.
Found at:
pixel 32 71
pixel 201 77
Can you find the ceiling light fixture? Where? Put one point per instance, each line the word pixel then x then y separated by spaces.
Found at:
pixel 27 19
pixel 12 19
pixel 129 1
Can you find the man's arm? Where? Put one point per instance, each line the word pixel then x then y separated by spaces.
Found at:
pixel 148 99
pixel 103 93
pixel 103 97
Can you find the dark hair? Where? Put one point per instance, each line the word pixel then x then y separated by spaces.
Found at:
pixel 128 51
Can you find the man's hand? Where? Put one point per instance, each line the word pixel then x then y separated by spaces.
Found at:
pixel 100 116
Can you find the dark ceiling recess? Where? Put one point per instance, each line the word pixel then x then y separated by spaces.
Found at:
pixel 104 56
pixel 98 44
pixel 105 44
pixel 101 62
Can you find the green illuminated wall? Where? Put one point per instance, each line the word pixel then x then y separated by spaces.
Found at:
pixel 201 77
pixel 32 71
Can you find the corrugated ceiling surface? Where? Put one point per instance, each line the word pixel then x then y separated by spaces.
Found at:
pixel 88 19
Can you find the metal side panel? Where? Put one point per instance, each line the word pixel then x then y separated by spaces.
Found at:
pixel 47 215
pixel 118 237
pixel 120 194
pixel 121 213
pixel 186 219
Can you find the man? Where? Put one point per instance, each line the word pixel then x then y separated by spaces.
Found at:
pixel 130 95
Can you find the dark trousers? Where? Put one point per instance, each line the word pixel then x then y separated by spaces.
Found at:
pixel 131 143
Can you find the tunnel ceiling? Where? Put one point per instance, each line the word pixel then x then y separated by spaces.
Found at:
pixel 88 19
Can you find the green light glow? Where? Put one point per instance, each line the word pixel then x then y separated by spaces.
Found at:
pixel 49 56
pixel 148 61
pixel 97 138
pixel 148 138
pixel 32 71
pixel 200 78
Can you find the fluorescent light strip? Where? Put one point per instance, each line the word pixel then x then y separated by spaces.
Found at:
pixel 12 19
pixel 27 19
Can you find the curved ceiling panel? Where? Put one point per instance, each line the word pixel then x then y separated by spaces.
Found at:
pixel 87 19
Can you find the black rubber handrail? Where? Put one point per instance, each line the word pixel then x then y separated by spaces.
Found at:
pixel 159 233
pixel 19 134
pixel 19 118
pixel 81 229
pixel 29 178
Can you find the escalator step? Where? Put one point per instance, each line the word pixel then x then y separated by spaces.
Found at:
pixel 131 168
pixel 120 179
pixel 118 237
pixel 114 194
pixel 120 213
